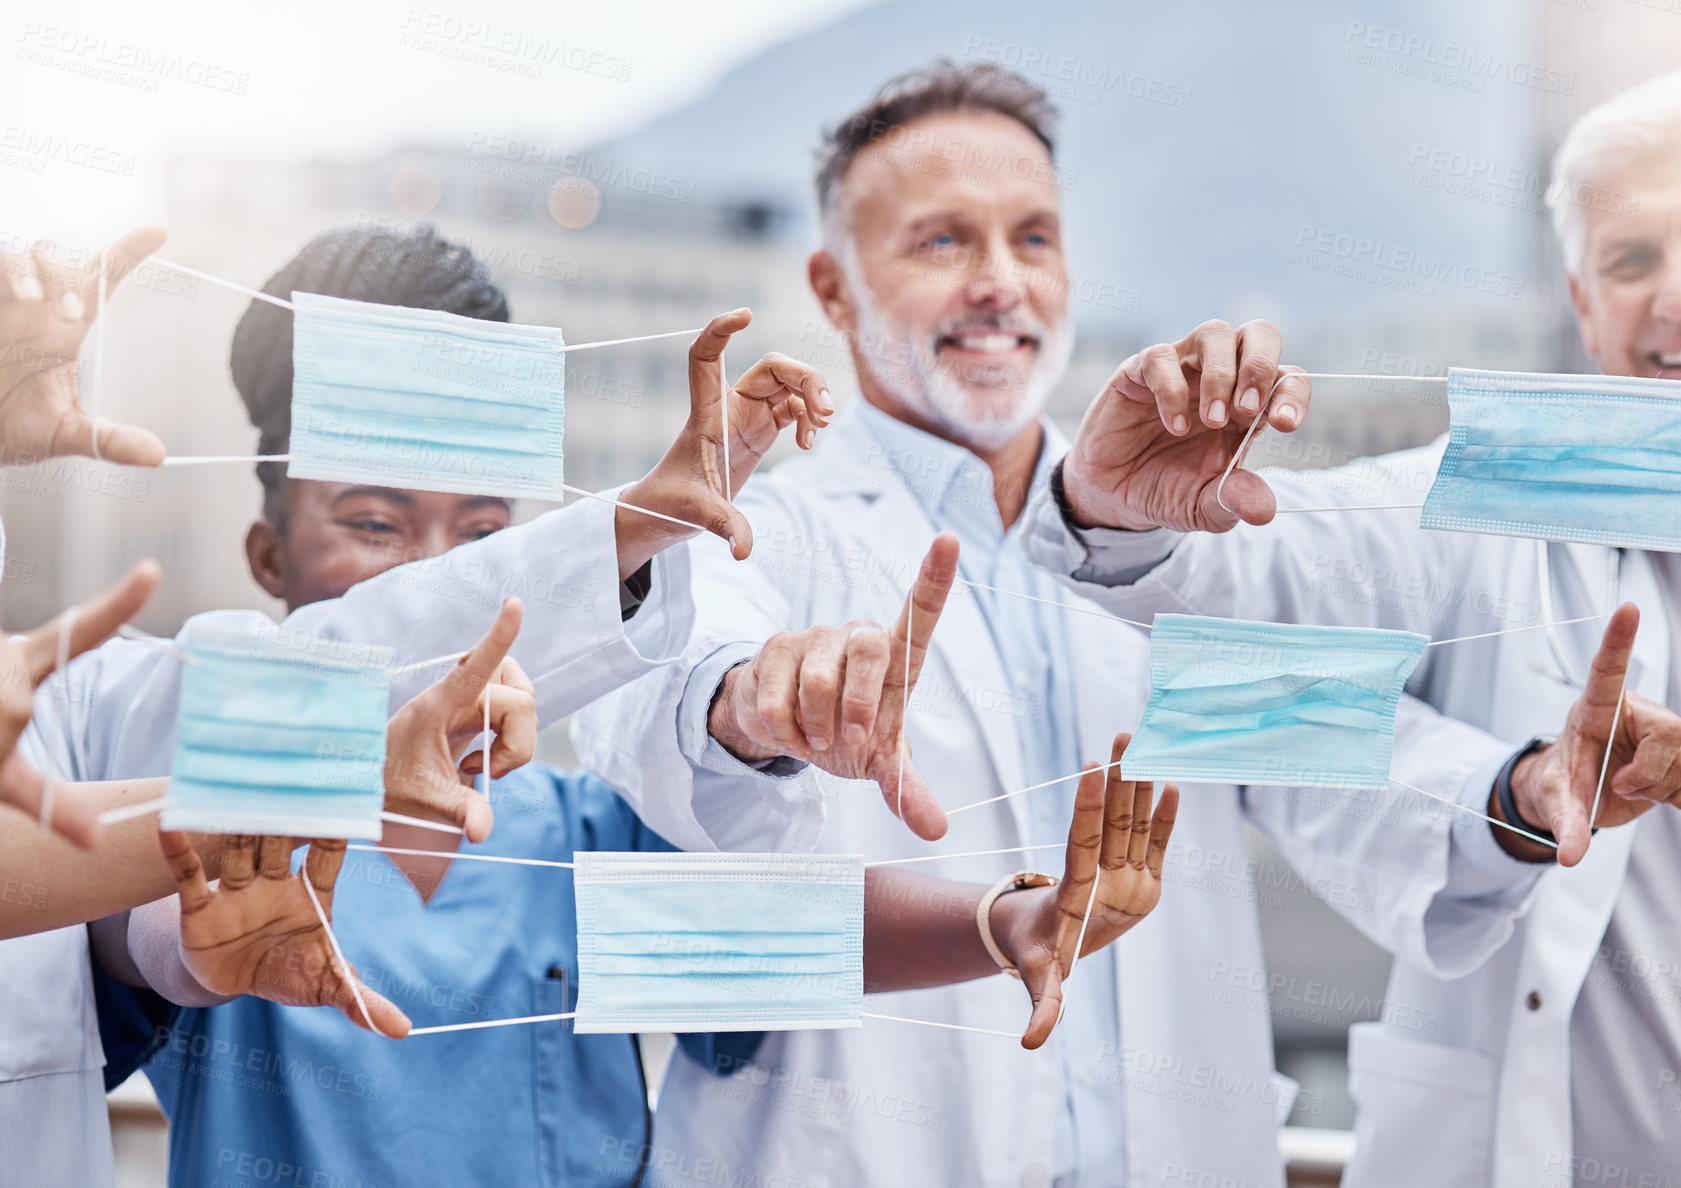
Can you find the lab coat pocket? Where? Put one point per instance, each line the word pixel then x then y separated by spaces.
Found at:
pixel 1426 1111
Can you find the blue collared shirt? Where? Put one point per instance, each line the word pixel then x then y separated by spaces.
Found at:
pixel 956 489
pixel 288 1096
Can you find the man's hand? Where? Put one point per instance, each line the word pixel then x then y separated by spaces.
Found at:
pixel 836 696
pixel 426 774
pixel 687 484
pixel 1554 787
pixel 1153 446
pixel 45 312
pixel 1115 839
pixel 258 933
pixel 26 661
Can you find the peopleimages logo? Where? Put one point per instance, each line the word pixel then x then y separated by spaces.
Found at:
pixel 1447 61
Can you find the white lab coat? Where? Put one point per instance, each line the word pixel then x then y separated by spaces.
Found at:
pixel 119 722
pixel 838 536
pixel 1484 1102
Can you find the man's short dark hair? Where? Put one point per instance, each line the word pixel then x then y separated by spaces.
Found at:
pixel 939 86
pixel 419 269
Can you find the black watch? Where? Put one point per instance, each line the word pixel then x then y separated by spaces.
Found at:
pixel 1508 803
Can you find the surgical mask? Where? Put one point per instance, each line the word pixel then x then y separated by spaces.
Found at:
pixel 1561 457
pixel 425 400
pixel 719 942
pixel 281 734
pixel 1262 703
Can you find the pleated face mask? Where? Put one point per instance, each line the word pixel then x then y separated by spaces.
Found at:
pixel 1595 459
pixel 719 942
pixel 283 734
pixel 421 399
pixel 1262 703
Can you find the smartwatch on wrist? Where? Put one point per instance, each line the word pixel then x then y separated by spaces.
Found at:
pixel 1020 881
pixel 1508 802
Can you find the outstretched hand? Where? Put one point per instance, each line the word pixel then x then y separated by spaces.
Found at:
pixel 427 773
pixel 1116 843
pixel 26 661
pixel 258 933
pixel 836 696
pixel 689 483
pixel 1555 787
pixel 1154 445
pixel 46 310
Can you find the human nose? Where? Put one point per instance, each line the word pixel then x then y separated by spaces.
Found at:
pixel 997 281
pixel 1666 304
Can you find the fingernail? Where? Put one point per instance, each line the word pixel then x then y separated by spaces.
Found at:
pixel 820 744
pixel 70 305
pixel 1250 400
pixel 1286 413
pixel 29 289
pixel 732 544
pixel 855 734
pixel 1179 424
pixel 1217 412
pixel 826 401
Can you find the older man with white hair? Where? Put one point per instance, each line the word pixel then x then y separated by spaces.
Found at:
pixel 943 264
pixel 1558 1062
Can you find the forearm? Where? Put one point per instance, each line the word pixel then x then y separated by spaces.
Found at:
pixel 53 884
pixel 920 931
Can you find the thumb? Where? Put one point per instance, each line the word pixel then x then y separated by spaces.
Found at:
pixel 1044 983
pixel 387 1019
pixel 1244 497
pixel 93 622
pixel 126 445
pixel 909 797
pixel 725 521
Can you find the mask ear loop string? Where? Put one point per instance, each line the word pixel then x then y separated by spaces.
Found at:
pixel 724 415
pixel 61 661
pixel 1243 446
pixel 98 384
pixel 348 974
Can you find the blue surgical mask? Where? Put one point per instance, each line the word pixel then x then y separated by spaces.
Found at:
pixel 1584 458
pixel 280 733
pixel 425 400
pixel 719 942
pixel 1262 703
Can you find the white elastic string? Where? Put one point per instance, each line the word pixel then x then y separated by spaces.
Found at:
pixel 905 710
pixel 452 856
pixel 99 358
pixel 945 1026
pixel 130 811
pixel 1480 816
pixel 492 1023
pixel 1349 507
pixel 432 662
pixel 487 739
pixel 227 284
pixel 1261 416
pixel 1030 788
pixel 209 459
pixel 419 822
pixel 724 413
pixel 129 631
pixel 61 660
pixel 607 342
pixel 969 854
pixel 345 971
pixel 1084 610
pixel 1514 630
pixel 1610 744
pixel 600 498
pixel 1079 943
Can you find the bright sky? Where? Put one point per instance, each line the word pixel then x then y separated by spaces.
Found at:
pixel 97 96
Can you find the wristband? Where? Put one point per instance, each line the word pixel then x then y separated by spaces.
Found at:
pixel 1020 881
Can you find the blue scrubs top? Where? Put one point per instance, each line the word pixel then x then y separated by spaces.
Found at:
pixel 288 1097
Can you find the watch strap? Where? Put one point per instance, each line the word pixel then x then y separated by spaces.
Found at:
pixel 1022 880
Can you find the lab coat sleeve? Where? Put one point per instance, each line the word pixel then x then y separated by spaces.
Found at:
pixel 564 566
pixel 649 740
pixel 1301 568
pixel 1421 878
pixel 114 714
